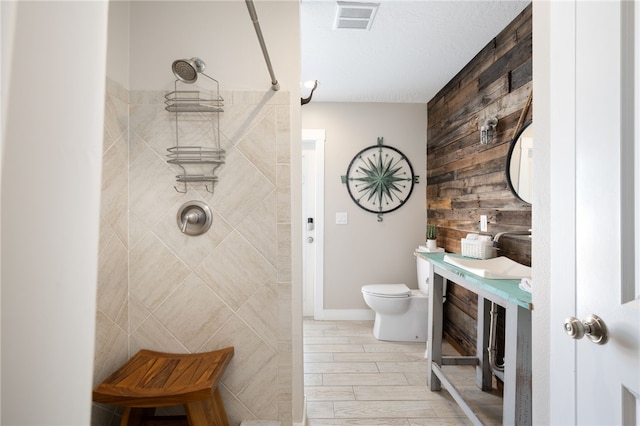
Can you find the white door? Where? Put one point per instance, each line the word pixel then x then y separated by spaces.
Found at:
pixel 312 220
pixel 607 210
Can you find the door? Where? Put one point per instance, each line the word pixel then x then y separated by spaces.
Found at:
pixel 312 220
pixel 607 210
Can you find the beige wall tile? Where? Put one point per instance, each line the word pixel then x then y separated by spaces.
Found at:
pixel 152 335
pixel 259 228
pixel 261 313
pixel 259 146
pixel 205 314
pixel 181 291
pixel 235 270
pixel 112 292
pixel 155 272
pixel 251 353
pixel 111 348
pixel 151 187
pixel 240 189
pixel 191 249
pixel 283 180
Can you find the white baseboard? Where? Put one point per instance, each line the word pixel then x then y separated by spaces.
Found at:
pixel 304 414
pixel 345 315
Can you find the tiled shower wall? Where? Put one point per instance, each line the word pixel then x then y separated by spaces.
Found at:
pixel 228 287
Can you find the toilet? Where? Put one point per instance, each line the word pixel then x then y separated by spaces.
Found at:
pixel 401 313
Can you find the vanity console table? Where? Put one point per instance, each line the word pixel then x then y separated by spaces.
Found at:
pixel 517 361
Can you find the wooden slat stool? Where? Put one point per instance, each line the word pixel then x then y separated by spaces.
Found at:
pixel 157 379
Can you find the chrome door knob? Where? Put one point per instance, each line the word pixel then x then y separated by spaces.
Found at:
pixel 593 326
pixel 309 240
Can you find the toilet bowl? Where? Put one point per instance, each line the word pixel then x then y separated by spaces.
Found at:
pixel 401 313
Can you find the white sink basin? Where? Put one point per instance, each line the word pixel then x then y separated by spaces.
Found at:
pixel 497 268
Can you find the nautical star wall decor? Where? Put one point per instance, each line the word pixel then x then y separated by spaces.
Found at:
pixel 380 179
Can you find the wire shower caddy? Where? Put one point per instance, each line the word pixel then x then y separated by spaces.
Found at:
pixel 198 163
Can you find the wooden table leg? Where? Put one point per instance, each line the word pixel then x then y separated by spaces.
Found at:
pixel 207 412
pixel 133 416
pixel 517 367
pixel 434 338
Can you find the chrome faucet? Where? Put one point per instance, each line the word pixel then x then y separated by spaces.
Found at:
pixel 500 234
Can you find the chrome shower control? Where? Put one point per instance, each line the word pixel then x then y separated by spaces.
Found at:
pixel 593 326
pixel 194 218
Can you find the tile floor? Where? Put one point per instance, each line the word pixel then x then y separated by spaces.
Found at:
pixel 353 379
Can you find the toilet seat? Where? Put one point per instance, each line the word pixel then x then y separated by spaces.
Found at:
pixel 387 290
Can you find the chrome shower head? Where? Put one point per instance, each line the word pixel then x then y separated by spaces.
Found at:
pixel 187 70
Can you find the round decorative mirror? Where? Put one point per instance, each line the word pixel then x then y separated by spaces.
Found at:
pixel 519 163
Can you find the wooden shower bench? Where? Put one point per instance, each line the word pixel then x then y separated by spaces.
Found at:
pixel 158 379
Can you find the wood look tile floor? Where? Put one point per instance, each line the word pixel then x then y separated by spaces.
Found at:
pixel 351 378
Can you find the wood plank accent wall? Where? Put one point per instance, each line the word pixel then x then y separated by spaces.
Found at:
pixel 466 179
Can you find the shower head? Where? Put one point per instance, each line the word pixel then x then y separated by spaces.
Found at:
pixel 187 70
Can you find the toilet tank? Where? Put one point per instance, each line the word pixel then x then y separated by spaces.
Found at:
pixel 424 271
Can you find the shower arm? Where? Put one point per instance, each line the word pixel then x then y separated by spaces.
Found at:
pixel 254 18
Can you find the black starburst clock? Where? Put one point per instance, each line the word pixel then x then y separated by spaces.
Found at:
pixel 380 179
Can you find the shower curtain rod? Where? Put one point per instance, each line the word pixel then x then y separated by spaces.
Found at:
pixel 254 18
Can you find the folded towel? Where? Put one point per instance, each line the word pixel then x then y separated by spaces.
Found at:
pixel 425 249
pixel 526 284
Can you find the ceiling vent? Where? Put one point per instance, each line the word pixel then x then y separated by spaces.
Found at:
pixel 355 15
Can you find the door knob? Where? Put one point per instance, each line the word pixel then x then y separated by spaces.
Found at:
pixel 309 240
pixel 593 326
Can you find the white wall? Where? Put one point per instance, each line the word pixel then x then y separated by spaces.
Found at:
pixel 58 195
pixel 220 33
pixel 541 214
pixel 50 210
pixel 366 251
pixel 118 43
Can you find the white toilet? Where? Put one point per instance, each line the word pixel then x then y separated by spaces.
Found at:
pixel 401 313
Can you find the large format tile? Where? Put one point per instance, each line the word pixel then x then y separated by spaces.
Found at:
pixel 206 313
pixel 393 393
pixel 396 395
pixel 155 271
pixel 235 270
pixel 340 367
pixel 191 249
pixel 329 393
pixel 358 422
pixel 318 357
pixel 370 356
pixel 452 421
pixel 261 313
pixel 381 409
pixel 364 379
pixel 240 189
pixel 326 340
pixel 259 146
pixel 403 367
pixel 333 348
pixel 231 285
pixel 320 409
pixel 394 347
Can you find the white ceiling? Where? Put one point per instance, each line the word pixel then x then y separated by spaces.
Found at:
pixel 412 50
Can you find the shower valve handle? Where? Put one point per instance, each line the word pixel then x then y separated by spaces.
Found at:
pixel 593 326
pixel 192 216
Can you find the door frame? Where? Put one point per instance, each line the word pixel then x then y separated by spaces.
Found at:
pixel 553 248
pixel 317 136
pixel 554 243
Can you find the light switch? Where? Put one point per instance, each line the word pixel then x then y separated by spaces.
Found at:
pixel 483 223
pixel 341 218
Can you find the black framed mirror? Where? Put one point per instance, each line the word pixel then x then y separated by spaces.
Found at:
pixel 519 163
